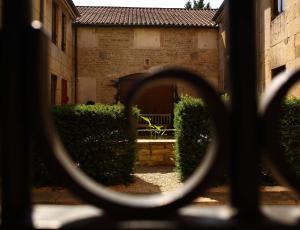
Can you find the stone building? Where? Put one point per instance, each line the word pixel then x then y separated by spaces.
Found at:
pixel 116 45
pixel 278 39
pixel 108 48
pixel 57 17
pixel 221 18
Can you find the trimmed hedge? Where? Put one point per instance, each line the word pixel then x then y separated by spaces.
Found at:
pixel 193 136
pixel 191 123
pixel 290 132
pixel 97 138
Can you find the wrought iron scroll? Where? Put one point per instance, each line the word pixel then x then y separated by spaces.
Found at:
pixel 270 114
pixel 17 37
pixel 145 206
pixel 242 132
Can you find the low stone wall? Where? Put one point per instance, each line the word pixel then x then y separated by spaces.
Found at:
pixel 155 152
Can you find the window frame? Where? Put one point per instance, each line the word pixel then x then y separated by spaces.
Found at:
pixel 63 31
pixel 54 29
pixel 277 8
pixel 42 13
pixel 278 70
pixel 64 92
pixel 53 89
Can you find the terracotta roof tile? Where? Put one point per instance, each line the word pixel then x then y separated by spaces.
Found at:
pixel 131 16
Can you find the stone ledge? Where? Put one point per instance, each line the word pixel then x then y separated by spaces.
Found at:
pixel 56 216
pixel 156 141
pixel 270 195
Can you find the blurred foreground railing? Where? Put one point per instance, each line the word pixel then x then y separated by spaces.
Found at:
pixel 244 133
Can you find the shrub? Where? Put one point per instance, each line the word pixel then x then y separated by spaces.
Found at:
pixel 192 136
pixel 97 138
pixel 290 132
pixel 191 123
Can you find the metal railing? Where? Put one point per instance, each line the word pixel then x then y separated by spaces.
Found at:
pixel 164 120
pixel 244 133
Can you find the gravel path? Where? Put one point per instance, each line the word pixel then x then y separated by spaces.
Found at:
pixel 150 180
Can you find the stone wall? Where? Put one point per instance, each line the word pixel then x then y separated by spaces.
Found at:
pixel 279 40
pixel 60 62
pixel 155 153
pixel 107 53
pixel 223 44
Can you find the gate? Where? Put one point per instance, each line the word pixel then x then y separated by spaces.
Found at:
pixel 244 133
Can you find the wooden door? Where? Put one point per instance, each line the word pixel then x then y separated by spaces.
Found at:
pixel 155 100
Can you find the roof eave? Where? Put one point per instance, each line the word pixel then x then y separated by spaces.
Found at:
pixel 78 24
pixel 72 8
pixel 219 12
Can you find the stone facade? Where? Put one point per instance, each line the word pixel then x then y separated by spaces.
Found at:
pixel 279 40
pixel 61 62
pixel 106 54
pixel 221 18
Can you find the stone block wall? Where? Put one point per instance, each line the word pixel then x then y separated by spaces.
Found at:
pixel 155 153
pixel 279 40
pixel 222 18
pixel 106 54
pixel 60 62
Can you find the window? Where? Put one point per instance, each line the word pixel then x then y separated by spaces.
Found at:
pixel 54 23
pixel 42 10
pixel 277 7
pixel 64 92
pixel 53 86
pixel 277 71
pixel 63 32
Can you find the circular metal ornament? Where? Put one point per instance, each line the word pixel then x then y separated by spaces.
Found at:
pixel 270 115
pixel 120 204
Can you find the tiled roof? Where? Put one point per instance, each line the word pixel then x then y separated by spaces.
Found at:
pixel 131 16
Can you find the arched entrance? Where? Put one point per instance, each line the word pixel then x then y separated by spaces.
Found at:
pixel 156 102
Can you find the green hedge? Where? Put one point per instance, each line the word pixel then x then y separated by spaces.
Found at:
pixel 97 138
pixel 290 132
pixel 193 136
pixel 191 123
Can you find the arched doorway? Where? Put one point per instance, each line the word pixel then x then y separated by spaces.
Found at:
pixel 156 102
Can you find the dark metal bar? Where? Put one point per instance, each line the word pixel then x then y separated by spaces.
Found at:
pixel 244 156
pixel 16 197
pixel 24 64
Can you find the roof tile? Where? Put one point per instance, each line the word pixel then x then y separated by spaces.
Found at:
pixel 101 15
